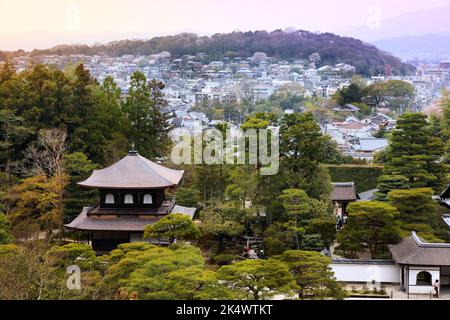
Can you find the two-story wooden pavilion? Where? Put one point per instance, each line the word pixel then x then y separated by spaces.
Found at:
pixel 132 196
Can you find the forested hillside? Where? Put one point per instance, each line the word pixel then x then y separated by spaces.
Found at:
pixel 332 49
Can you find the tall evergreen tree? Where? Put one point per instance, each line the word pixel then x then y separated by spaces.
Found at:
pixel 78 168
pixel 302 148
pixel 387 183
pixel 148 126
pixel 417 209
pixel 371 226
pixel 416 154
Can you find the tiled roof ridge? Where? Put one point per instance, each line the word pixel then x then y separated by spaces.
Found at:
pixel 343 184
pixel 420 243
pixel 149 166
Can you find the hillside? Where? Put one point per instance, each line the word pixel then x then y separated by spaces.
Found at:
pixel 333 49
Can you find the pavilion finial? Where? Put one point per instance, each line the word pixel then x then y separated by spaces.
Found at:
pixel 133 151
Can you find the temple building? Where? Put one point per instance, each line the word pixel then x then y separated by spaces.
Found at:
pixel 342 195
pixel 421 264
pixel 132 196
pixel 415 266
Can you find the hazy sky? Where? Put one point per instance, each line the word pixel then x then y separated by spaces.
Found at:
pixel 205 16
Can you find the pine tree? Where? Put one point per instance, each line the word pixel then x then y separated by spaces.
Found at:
pixel 387 183
pixel 78 168
pixel 148 127
pixel 415 153
pixel 372 225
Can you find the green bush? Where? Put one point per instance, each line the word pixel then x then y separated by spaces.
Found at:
pixel 224 259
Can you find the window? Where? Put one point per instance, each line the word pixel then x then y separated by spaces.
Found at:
pixel 423 279
pixel 128 199
pixel 148 199
pixel 109 199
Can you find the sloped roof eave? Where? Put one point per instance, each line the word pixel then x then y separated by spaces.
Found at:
pixel 133 172
pixel 135 187
pixel 412 251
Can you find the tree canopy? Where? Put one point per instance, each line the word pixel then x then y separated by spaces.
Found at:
pixel 257 279
pixel 371 226
pixel 312 274
pixel 173 226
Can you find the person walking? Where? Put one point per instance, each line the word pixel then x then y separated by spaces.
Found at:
pixel 338 222
pixel 436 287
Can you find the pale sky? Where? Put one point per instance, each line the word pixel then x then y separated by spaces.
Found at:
pixel 204 16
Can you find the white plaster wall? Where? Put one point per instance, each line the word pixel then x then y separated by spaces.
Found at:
pixel 435 274
pixel 366 273
pixel 421 289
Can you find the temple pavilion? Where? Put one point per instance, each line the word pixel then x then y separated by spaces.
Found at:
pixel 132 196
pixel 342 195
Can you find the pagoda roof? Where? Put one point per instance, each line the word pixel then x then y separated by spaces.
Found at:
pixel 114 222
pixel 111 223
pixel 133 172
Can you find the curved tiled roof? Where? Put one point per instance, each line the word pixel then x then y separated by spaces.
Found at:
pixel 114 222
pixel 414 251
pixel 133 172
pixel 111 223
pixel 344 191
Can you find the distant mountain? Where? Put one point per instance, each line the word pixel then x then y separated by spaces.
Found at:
pixel 432 21
pixel 432 45
pixel 333 49
pixel 46 39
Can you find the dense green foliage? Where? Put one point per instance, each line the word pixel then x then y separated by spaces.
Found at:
pixel 78 168
pixel 56 127
pixel 399 94
pixel 371 226
pixel 39 272
pixel 418 212
pixel 250 279
pixel 416 152
pixel 188 197
pixel 171 227
pixel 94 116
pixel 302 148
pixel 144 271
pixel 364 176
pixel 312 275
pixel 5 229
pixel 388 183
pixel 308 224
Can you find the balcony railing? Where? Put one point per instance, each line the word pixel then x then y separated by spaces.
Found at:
pixel 164 209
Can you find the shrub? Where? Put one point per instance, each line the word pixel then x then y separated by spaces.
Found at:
pixel 224 259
